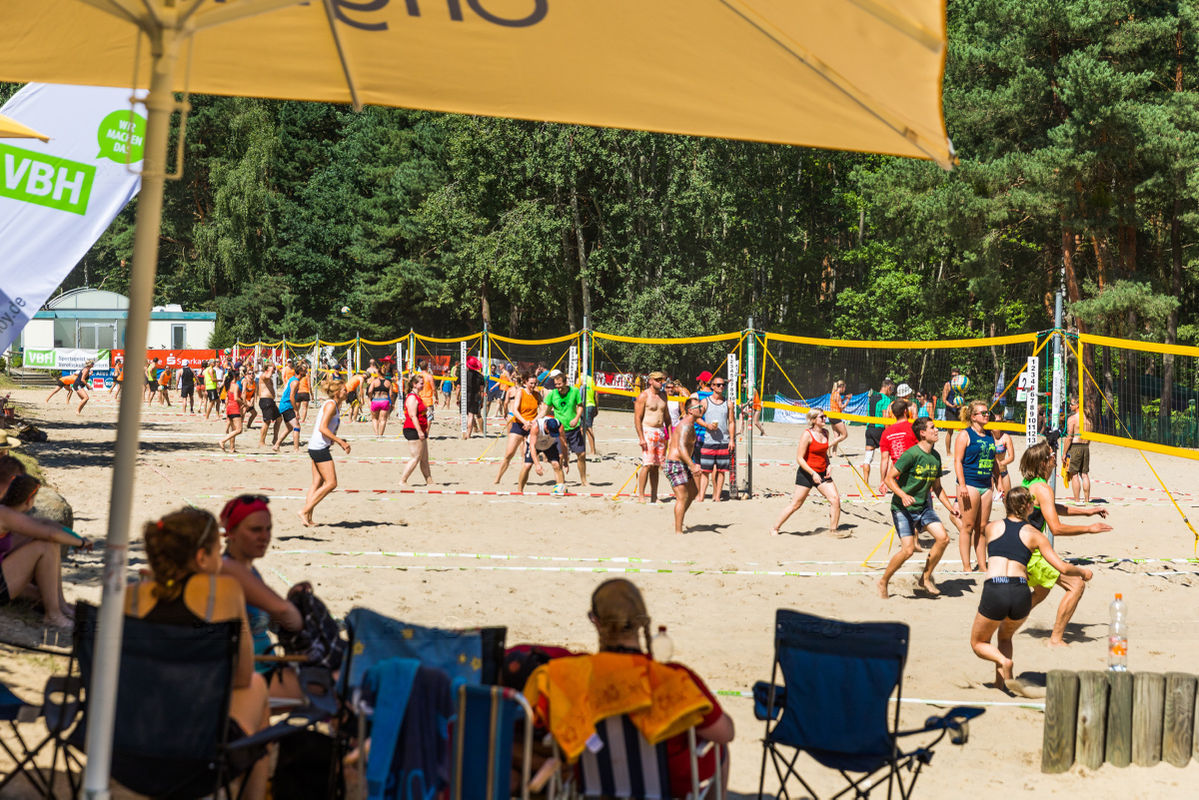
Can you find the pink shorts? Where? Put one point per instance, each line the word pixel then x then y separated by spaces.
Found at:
pixel 380 404
pixel 654 452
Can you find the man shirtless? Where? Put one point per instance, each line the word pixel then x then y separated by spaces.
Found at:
pixel 650 414
pixel 680 469
pixel 1076 456
pixel 267 405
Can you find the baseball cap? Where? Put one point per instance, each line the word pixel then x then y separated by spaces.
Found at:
pixel 553 374
pixel 903 390
pixel 704 376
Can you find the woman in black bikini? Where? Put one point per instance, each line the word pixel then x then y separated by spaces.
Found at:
pixel 1006 599
pixel 184 552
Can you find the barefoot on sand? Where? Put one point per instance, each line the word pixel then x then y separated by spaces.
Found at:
pixel 882 589
pixel 929 586
pixel 305 519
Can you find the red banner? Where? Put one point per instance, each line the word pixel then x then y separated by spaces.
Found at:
pixel 172 358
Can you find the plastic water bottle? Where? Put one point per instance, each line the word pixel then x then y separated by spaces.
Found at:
pixel 1117 636
pixel 663 646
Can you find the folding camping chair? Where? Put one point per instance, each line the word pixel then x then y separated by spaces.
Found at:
pixel 173 694
pixel 16 712
pixel 471 657
pixel 623 764
pixel 839 678
pixel 485 729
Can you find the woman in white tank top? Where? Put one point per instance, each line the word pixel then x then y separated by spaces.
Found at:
pixel 324 436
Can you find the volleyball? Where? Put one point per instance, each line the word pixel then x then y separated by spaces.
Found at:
pixel 345 309
pixel 961 383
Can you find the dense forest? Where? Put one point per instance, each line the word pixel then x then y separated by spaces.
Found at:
pixel 1075 122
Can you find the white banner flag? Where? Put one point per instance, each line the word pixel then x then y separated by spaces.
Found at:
pixel 56 198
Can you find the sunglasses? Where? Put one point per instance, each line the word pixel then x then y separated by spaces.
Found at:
pixel 717 384
pixel 251 499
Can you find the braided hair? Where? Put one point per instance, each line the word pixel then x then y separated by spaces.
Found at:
pixel 171 546
pixel 619 609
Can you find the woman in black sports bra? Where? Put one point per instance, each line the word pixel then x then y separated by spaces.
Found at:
pixel 1006 599
pixel 184 552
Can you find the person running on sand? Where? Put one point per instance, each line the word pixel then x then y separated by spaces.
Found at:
pixel 76 383
pixel 151 380
pixel 1036 465
pixel 812 455
pixel 650 413
pixel 1006 600
pixel 914 478
pixel 681 469
pixel 320 445
pixel 304 391
pixel 187 388
pixel 974 468
pixel 181 547
pixel 30 552
pixel 416 430
pixel 118 378
pixel 523 403
pixel 233 407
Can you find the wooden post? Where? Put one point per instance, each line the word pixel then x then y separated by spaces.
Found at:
pixel 1148 705
pixel 1061 713
pixel 1119 719
pixel 1092 718
pixel 1180 718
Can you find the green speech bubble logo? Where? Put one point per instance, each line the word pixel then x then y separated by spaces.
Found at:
pixel 122 137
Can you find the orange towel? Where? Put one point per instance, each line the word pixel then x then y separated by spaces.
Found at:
pixel 572 694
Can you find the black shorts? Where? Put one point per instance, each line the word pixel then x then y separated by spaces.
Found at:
pixel 1005 598
pixel 576 441
pixel 802 478
pixel 320 456
pixel 874 435
pixel 213 394
pixel 288 414
pixel 550 454
pixel 411 434
pixel 153 386
pixel 187 391
pixel 5 599
pixel 270 411
pixel 303 397
pixel 474 405
pixel 517 429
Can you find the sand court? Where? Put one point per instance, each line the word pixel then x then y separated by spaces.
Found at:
pixel 468 552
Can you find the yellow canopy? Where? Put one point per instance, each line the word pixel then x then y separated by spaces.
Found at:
pixel 845 74
pixel 11 129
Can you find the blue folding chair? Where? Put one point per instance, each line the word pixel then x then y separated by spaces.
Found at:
pixel 839 679
pixel 485 730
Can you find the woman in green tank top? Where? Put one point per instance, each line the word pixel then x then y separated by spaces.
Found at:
pixel 1036 466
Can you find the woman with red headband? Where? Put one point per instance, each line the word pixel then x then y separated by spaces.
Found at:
pixel 246 520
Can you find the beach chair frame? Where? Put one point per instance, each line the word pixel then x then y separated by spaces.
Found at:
pixel 495 700
pixel 839 677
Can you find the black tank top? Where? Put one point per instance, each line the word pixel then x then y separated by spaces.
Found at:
pixel 1008 545
pixel 175 611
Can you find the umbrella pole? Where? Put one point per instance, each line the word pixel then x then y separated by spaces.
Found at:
pixel 102 694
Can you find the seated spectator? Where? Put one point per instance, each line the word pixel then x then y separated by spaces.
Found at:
pixel 30 554
pixel 608 683
pixel 247 523
pixel 180 546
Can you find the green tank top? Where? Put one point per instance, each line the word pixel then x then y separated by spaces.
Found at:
pixel 1037 519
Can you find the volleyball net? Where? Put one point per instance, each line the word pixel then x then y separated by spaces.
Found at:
pixel 844 377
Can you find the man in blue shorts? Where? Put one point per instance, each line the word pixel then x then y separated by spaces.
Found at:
pixel 567 405
pixel 913 479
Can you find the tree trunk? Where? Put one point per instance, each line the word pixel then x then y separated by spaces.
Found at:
pixel 581 250
pixel 486 306
pixel 1091 400
pixel 1163 414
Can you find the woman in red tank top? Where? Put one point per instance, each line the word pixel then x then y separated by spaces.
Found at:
pixel 416 430
pixel 813 471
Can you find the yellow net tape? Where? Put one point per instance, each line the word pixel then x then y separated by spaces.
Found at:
pixel 718 337
pixel 1140 447
pixel 376 344
pixel 940 344
pixel 1133 344
pixel 557 339
pixel 346 343
pixel 1014 427
pixel 451 340
pixel 798 393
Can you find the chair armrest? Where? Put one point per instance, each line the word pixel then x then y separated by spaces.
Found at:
pixel 280 730
pixel 951 720
pixel 762 708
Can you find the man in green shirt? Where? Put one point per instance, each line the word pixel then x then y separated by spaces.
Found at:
pixel 913 479
pixel 567 405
